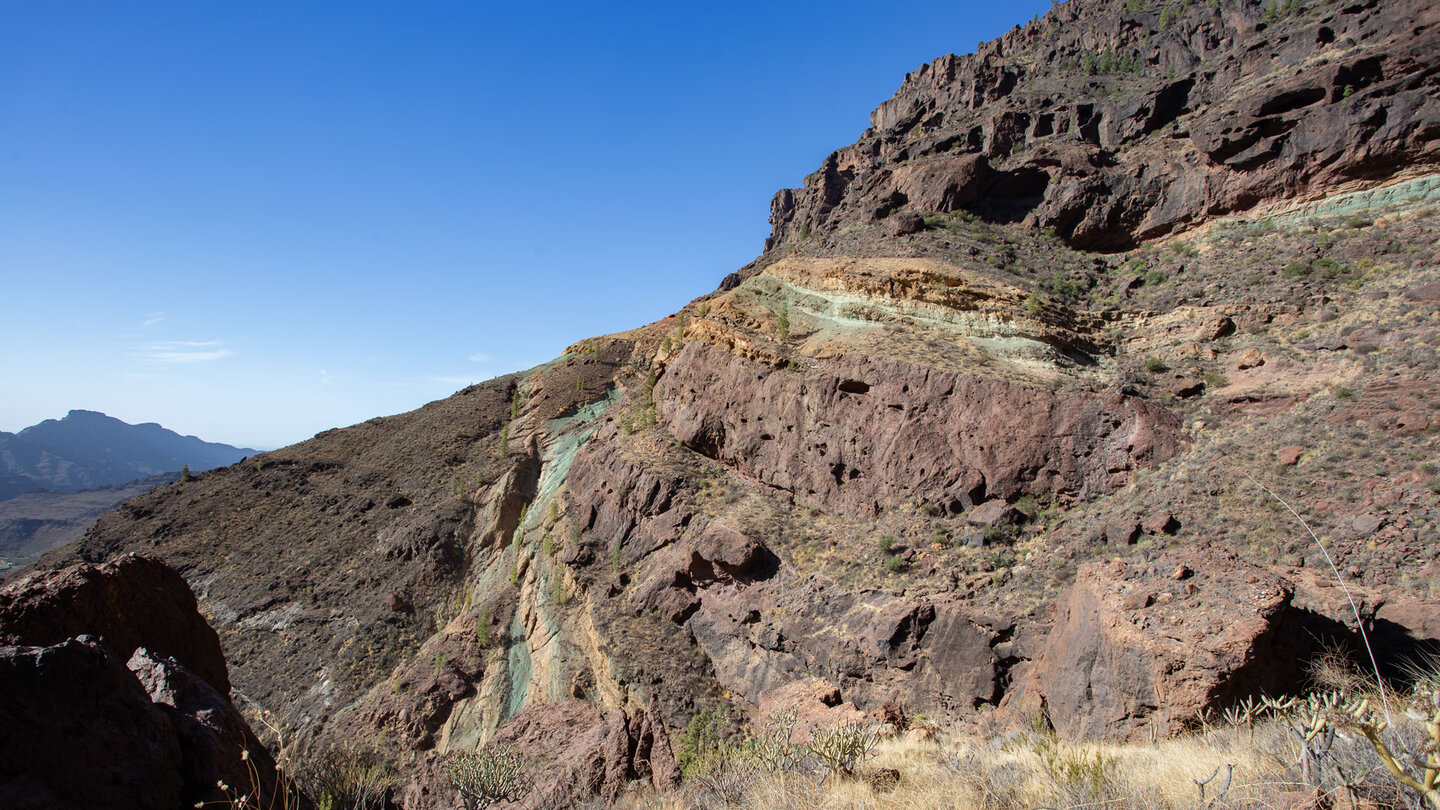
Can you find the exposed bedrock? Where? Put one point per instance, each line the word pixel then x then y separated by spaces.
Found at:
pixel 761 623
pixel 1143 649
pixel 114 693
pixel 1129 127
pixel 129 602
pixel 860 436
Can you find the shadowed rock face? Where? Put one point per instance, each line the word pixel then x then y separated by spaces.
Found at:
pixel 129 602
pixel 81 727
pixel 1110 128
pixel 80 731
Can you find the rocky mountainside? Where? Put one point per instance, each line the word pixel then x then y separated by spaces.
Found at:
pixel 986 433
pixel 86 449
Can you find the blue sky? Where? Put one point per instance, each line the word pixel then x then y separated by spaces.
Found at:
pixel 252 221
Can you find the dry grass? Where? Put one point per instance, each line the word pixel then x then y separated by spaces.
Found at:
pixel 1038 770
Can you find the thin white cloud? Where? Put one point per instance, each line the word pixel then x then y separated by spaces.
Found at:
pixel 480 357
pixel 181 352
pixel 152 318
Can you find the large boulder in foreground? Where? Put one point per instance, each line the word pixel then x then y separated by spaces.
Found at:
pixel 129 602
pixel 94 715
pixel 77 730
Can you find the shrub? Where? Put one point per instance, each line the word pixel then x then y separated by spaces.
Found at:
pixel 886 543
pixel 894 564
pixel 1296 270
pixel 1154 278
pixel 1155 365
pixel 489 776
pixel 483 629
pixel 842 749
pixel 782 322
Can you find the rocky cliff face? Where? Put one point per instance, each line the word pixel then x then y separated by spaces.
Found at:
pixel 1112 123
pixel 931 452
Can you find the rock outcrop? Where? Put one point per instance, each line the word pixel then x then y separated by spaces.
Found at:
pixel 1114 123
pixel 1142 650
pixel 93 715
pixel 129 602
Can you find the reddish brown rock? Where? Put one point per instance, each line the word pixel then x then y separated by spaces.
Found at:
pixel 817 705
pixel 1111 671
pixel 993 513
pixel 576 755
pixel 1160 522
pixel 1252 358
pixel 78 731
pixel 897 433
pixel 1290 456
pixel 1425 293
pixel 95 733
pixel 1229 108
pixel 1121 531
pixel 129 602
pixel 216 743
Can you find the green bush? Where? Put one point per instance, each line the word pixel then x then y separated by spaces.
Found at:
pixel 886 543
pixel 489 776
pixel 1155 365
pixel 894 564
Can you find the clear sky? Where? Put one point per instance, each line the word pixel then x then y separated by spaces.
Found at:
pixel 252 221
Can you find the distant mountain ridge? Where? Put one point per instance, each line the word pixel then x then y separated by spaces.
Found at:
pixel 88 449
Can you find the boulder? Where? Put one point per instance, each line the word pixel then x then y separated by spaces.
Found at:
pixel 87 728
pixel 1142 648
pixel 129 602
pixel 77 730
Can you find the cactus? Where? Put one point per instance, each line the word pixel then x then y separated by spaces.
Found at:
pixel 489 776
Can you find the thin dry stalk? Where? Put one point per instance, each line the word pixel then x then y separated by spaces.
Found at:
pixel 1359 622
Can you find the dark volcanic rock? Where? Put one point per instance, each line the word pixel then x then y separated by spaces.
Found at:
pixel 130 602
pixel 215 741
pixel 79 727
pixel 77 730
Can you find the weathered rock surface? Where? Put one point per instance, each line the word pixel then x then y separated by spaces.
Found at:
pixel 860 436
pixel 129 602
pixel 860 477
pixel 1143 649
pixel 216 744
pixel 77 730
pixel 1105 125
pixel 81 727
pixel 573 754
